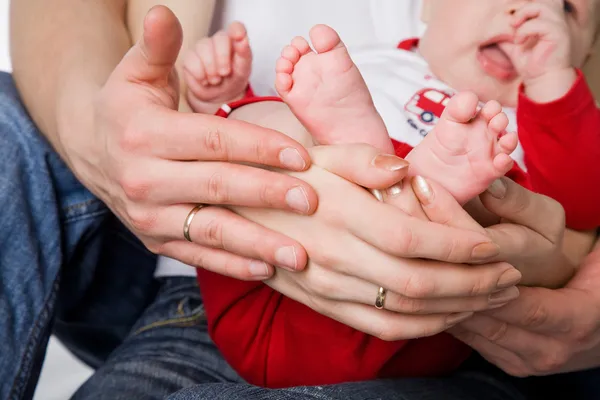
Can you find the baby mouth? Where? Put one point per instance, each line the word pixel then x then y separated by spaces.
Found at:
pixel 496 62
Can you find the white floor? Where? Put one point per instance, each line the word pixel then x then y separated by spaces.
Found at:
pixel 62 374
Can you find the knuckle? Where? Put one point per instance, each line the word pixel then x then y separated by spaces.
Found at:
pixel 213 233
pixel 198 259
pixel 497 333
pixel 418 286
pixel 132 139
pixel 216 189
pixel 552 360
pixel 408 305
pixel 268 193
pixel 142 221
pixel 134 186
pixel 323 286
pixel 405 241
pixel 215 143
pixel 536 316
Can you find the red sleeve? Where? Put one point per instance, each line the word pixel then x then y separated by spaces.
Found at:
pixel 561 141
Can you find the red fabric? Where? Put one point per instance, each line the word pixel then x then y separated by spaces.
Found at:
pixel 561 141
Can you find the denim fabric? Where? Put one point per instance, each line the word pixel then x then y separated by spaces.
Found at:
pixel 65 262
pixel 168 349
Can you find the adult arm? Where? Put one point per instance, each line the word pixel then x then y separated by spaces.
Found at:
pixel 109 110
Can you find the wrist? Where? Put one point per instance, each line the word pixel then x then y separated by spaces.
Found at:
pixel 75 126
pixel 550 86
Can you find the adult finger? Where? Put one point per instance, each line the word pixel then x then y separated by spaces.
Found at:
pixel 219 228
pixel 189 137
pixel 396 233
pixel 218 261
pixel 368 167
pixel 548 311
pixel 504 359
pixel 412 278
pixel 529 346
pixel 513 202
pixel 441 207
pixel 219 183
pixel 386 325
pixel 348 288
pixel 153 57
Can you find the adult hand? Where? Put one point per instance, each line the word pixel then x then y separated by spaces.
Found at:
pixel 544 331
pixel 151 165
pixel 530 233
pixel 357 244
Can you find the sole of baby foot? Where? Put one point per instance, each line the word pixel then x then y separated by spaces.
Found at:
pixel 326 92
pixel 468 148
pixel 218 69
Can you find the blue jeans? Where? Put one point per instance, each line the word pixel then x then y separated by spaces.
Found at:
pixel 69 267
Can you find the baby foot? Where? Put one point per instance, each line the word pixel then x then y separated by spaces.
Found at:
pixel 218 69
pixel 467 150
pixel 327 93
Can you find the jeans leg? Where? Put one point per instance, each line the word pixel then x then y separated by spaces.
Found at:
pixel 168 349
pixel 475 380
pixel 52 239
pixel 451 388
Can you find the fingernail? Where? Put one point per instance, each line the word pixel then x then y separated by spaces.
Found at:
pixel 259 269
pixel 503 297
pixel 297 199
pixel 224 71
pixel 291 158
pixel 497 189
pixel 508 279
pixel 422 190
pixel 454 319
pixel 377 193
pixel 286 258
pixel 484 251
pixel 389 162
pixel 395 190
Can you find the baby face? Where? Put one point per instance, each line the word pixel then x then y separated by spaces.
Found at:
pixel 468 43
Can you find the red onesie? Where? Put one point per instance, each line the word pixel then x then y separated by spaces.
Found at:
pixel 274 341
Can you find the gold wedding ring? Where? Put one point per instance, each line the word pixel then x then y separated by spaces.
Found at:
pixel 380 300
pixel 188 221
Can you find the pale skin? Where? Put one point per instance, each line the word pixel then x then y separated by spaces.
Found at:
pixel 100 26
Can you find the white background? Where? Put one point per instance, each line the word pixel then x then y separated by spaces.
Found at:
pixel 62 374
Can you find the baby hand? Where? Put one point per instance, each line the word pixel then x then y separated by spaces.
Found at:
pixel 542 54
pixel 217 70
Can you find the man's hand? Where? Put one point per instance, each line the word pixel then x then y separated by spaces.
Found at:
pixel 542 51
pixel 151 165
pixel 544 331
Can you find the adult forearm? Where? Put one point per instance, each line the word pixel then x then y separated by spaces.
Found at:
pixel 63 51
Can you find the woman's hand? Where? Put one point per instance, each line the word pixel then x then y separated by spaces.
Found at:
pixel 544 331
pixel 151 165
pixel 357 244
